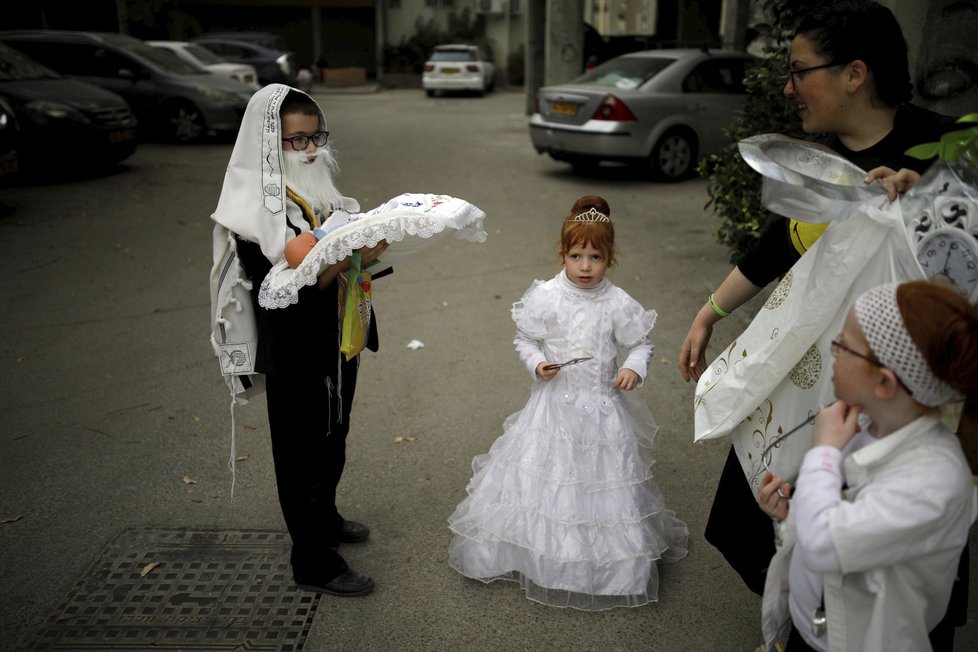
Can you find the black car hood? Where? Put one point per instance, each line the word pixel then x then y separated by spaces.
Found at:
pixel 75 94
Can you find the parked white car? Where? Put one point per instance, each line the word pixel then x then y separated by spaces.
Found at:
pixel 458 67
pixel 202 57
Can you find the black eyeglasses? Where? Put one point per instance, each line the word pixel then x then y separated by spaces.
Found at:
pixel 796 74
pixel 299 143
pixel 839 346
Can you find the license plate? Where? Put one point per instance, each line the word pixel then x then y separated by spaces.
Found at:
pixel 122 136
pixel 564 108
pixel 450 71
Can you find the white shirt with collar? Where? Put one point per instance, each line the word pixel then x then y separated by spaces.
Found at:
pixel 886 549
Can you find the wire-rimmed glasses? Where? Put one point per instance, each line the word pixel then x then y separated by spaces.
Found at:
pixel 810 419
pixel 301 142
pixel 837 346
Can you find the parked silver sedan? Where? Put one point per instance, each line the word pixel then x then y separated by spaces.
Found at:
pixel 661 108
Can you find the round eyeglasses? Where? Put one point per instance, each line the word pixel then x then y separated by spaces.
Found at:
pixel 299 143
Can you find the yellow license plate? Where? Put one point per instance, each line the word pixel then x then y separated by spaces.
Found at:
pixel 564 108
pixel 449 71
pixel 122 136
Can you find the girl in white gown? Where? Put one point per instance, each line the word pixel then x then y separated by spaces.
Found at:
pixel 564 501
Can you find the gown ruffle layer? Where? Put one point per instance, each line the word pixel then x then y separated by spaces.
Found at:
pixel 564 502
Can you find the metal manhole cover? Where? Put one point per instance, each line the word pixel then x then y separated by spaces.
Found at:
pixel 212 590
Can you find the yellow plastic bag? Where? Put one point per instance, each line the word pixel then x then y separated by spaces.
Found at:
pixel 354 307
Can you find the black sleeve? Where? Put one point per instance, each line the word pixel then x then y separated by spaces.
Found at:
pixel 255 264
pixel 772 256
pixel 296 338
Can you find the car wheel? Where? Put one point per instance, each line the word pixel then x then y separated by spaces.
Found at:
pixel 183 122
pixel 674 156
pixel 430 93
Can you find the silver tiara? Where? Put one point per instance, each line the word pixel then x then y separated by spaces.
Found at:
pixel 592 215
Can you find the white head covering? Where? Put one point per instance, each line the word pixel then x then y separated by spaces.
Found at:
pixel 879 316
pixel 253 203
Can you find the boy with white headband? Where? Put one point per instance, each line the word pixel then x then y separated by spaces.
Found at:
pixel 885 498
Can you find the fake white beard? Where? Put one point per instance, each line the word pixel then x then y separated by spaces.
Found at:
pixel 313 179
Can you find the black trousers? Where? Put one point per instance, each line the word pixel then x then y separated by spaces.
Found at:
pixel 309 419
pixel 745 536
pixel 738 528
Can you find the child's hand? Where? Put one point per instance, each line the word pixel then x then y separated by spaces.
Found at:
pixel 546 371
pixel 368 254
pixel 771 503
pixel 835 425
pixel 626 380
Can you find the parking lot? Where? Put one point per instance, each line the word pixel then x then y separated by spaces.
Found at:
pixel 115 418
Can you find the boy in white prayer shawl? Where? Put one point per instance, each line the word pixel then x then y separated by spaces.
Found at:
pixel 278 185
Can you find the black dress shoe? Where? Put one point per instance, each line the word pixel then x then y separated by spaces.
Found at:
pixel 349 584
pixel 352 532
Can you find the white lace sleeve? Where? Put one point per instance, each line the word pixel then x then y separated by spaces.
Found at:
pixel 530 312
pixel 633 322
pixel 410 223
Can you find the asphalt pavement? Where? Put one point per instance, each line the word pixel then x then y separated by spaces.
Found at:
pixel 114 415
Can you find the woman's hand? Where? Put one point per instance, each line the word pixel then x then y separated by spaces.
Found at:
pixel 692 354
pixel 896 183
pixel 835 425
pixel 547 370
pixel 769 500
pixel 626 380
pixel 732 293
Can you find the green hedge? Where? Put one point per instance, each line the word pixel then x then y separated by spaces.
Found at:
pixel 409 55
pixel 734 188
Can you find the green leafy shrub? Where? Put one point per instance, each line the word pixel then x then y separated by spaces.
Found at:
pixel 734 188
pixel 952 145
pixel 409 55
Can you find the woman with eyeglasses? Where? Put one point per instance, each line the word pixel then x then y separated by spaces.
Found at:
pixel 849 82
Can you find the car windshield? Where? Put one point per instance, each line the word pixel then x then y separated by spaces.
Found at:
pixel 202 54
pixel 624 72
pixel 452 55
pixel 14 66
pixel 176 57
pixel 164 59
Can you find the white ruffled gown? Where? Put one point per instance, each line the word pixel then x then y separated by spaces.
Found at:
pixel 564 501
